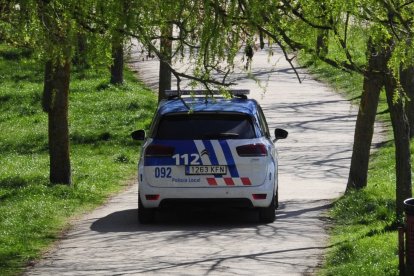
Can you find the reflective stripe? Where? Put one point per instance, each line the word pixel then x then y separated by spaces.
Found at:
pixel 229 158
pixel 211 181
pixel 246 181
pixel 219 152
pixel 228 181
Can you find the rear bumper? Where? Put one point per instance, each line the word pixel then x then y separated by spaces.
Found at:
pixel 242 197
pixel 204 203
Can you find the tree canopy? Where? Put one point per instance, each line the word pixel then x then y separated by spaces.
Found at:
pixel 211 33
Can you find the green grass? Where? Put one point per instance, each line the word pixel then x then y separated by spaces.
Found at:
pixel 103 157
pixel 363 235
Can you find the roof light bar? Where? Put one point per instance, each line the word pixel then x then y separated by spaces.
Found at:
pixel 234 92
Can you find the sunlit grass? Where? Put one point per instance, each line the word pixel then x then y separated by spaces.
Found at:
pixel 103 157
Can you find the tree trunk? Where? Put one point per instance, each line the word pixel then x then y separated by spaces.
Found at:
pixel 165 72
pixel 55 102
pixel 364 129
pixel 402 144
pixel 117 68
pixel 322 43
pixel 407 82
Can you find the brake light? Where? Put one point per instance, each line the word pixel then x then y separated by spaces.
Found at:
pixel 159 151
pixel 252 150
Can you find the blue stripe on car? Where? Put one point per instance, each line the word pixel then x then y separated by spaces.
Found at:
pixel 212 155
pixel 229 158
pixel 211 152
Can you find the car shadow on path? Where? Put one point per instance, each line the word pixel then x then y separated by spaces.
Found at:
pixel 127 221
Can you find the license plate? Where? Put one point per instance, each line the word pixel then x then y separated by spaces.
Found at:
pixel 206 169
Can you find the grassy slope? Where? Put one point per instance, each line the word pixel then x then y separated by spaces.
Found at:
pixel 364 236
pixel 32 212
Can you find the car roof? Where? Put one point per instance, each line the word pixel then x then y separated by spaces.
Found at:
pixel 202 104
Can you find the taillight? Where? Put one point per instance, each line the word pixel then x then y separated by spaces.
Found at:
pixel 252 150
pixel 159 151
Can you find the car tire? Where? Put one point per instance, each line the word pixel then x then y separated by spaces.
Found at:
pixel 268 214
pixel 277 200
pixel 145 215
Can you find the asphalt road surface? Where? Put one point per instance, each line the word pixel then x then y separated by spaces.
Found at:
pixel 314 163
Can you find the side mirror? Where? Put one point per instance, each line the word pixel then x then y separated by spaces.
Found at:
pixel 280 134
pixel 138 135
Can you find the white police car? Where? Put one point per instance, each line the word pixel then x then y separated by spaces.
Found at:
pixel 209 151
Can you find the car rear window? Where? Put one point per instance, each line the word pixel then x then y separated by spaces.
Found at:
pixel 205 126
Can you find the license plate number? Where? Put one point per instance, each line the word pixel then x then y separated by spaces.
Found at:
pixel 206 170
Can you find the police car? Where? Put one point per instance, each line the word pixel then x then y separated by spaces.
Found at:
pixel 208 151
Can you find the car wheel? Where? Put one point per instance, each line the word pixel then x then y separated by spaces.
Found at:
pixel 277 199
pixel 268 214
pixel 145 215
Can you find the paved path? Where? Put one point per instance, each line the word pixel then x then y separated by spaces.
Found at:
pixel 314 164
